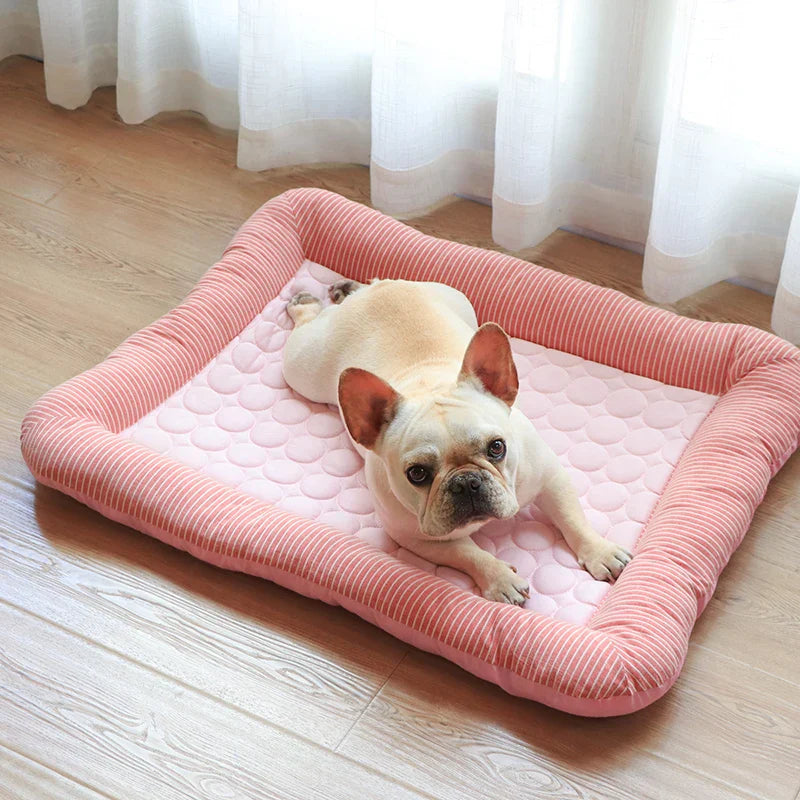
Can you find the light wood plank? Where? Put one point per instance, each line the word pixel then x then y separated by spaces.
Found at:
pixel 23 778
pixel 759 605
pixel 88 261
pixel 773 534
pixel 289 660
pixel 681 747
pixel 132 733
pixel 26 184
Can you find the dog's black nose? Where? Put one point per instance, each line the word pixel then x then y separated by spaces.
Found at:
pixel 466 481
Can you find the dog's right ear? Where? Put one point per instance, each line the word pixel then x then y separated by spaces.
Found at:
pixel 368 404
pixel 489 363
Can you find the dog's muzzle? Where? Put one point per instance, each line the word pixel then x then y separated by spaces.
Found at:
pixel 470 495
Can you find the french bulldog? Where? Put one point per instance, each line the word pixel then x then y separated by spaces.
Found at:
pixel 428 397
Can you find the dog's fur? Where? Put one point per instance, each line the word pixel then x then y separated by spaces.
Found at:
pixel 420 385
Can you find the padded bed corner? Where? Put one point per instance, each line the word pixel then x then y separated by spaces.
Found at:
pixel 670 427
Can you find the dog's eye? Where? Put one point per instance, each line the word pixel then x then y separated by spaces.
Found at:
pixel 496 449
pixel 417 474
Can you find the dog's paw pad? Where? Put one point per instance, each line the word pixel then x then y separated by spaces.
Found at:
pixel 302 299
pixel 341 289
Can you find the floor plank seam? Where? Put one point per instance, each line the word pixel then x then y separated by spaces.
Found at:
pixel 71 182
pixel 708 776
pixel 729 657
pixel 54 769
pixel 371 700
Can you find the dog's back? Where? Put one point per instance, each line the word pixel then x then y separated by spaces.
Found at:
pixel 385 327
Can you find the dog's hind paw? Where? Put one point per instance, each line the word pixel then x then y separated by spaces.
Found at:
pixel 341 289
pixel 303 307
pixel 302 299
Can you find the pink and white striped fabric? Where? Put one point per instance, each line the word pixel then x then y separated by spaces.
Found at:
pixel 630 651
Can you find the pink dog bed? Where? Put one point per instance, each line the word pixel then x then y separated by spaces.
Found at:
pixel 670 428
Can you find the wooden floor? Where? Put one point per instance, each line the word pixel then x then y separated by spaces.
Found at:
pixel 129 670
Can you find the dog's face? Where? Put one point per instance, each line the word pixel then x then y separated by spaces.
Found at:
pixel 450 457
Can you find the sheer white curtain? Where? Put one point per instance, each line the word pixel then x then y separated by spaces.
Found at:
pixel 668 124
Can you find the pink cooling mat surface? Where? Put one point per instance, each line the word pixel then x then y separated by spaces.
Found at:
pixel 618 434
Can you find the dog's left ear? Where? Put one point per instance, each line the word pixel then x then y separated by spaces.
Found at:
pixel 368 405
pixel 488 361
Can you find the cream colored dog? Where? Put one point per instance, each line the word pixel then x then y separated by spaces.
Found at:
pixel 428 398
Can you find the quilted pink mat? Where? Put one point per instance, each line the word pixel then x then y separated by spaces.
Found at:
pixel 618 434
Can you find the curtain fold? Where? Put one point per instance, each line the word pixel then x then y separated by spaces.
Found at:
pixel 20 29
pixel 666 124
pixel 181 54
pixel 577 118
pixel 729 154
pixel 434 101
pixel 79 42
pixel 304 82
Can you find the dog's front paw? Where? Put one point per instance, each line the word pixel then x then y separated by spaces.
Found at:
pixel 604 560
pixel 505 586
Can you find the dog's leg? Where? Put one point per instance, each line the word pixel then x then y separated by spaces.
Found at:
pixel 302 308
pixel 604 560
pixel 497 580
pixel 341 289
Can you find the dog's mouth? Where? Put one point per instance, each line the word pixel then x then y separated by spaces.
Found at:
pixel 464 526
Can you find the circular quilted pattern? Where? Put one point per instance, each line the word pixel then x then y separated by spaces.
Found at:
pixel 606 430
pixel 283 471
pixel 342 462
pixel 548 378
pixel 626 468
pixel 191 456
pixel 568 418
pixel 272 375
pixel 663 414
pixel 262 489
pixel 246 454
pixel 225 379
pixel 305 449
pixel 175 420
pixel 256 397
pixel 626 403
pixel 202 400
pixel 234 419
pixel 246 357
pixel 586 391
pixel 552 579
pixel 269 434
pixel 291 411
pixel 644 442
pixel 210 439
pixel 325 424
pixel 320 487
pixel 619 436
pixel 588 456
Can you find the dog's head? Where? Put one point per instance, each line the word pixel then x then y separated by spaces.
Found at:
pixel 450 456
